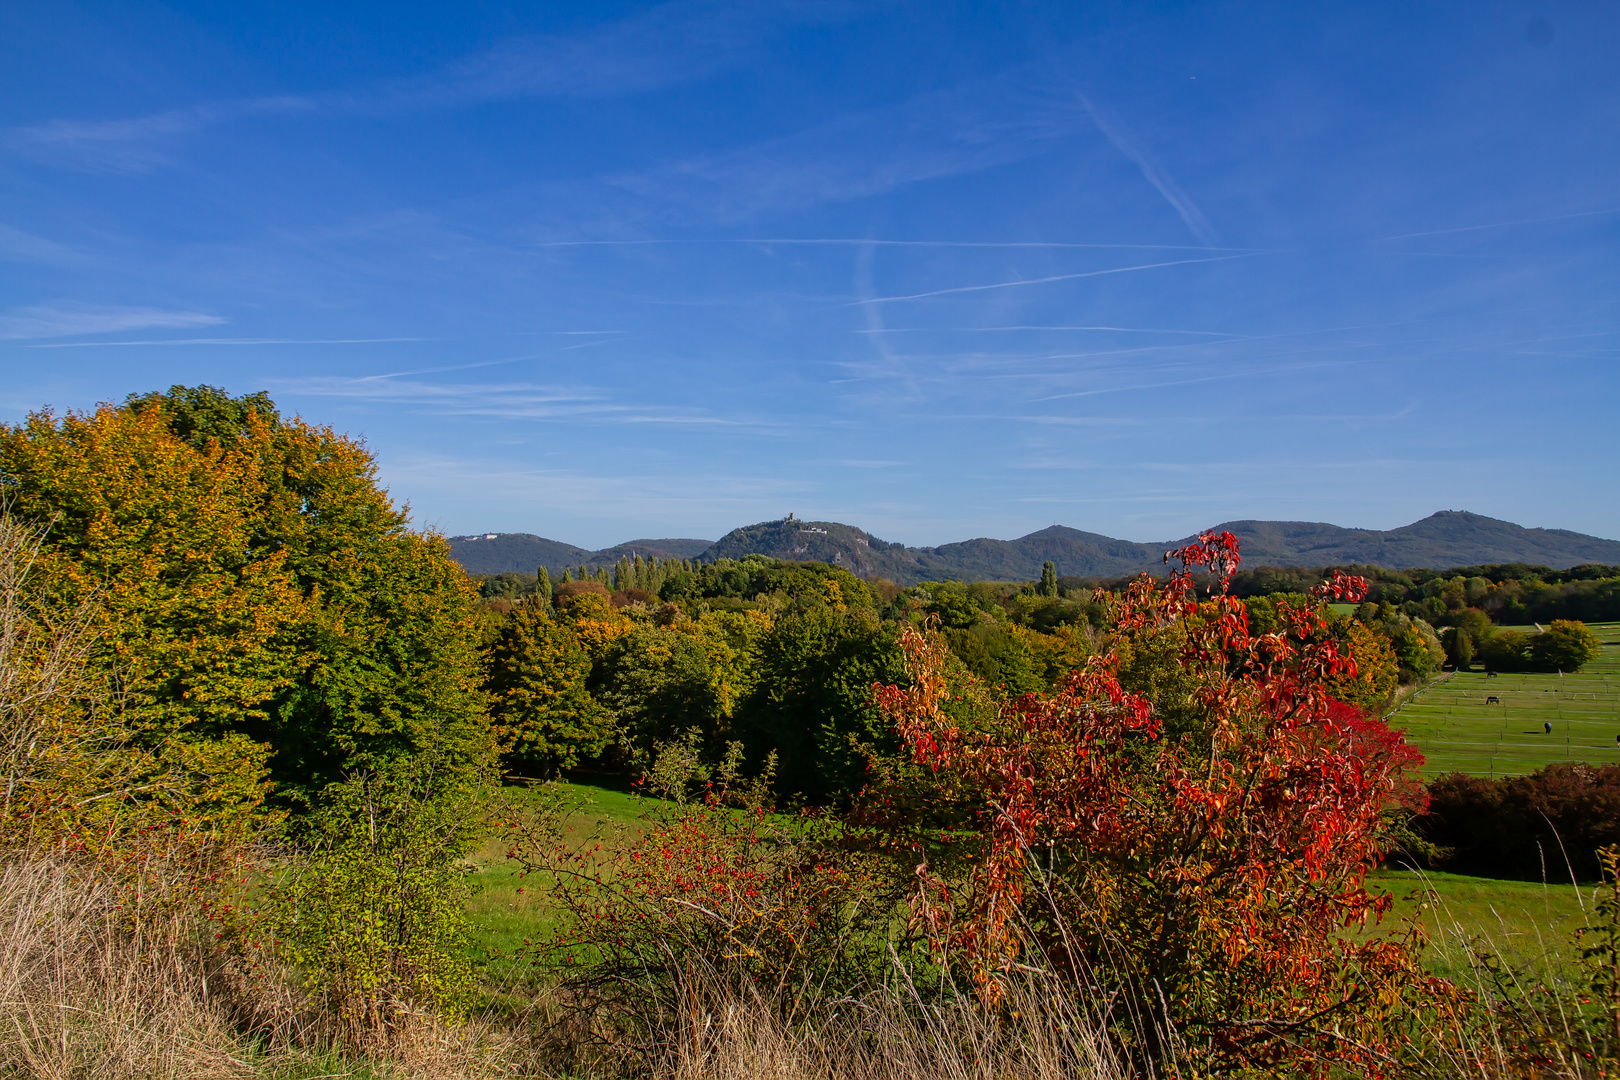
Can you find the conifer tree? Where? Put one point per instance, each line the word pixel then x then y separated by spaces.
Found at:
pixel 542 587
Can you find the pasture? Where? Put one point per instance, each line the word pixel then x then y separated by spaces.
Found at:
pixel 1459 730
pixel 1529 926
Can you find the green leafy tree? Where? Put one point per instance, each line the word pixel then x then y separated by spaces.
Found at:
pixel 253 582
pixel 1000 657
pixel 1418 649
pixel 1565 646
pixel 542 715
pixel 1459 647
pixel 1505 651
pixel 955 609
pixel 1049 582
pixel 658 684
pixel 812 704
pixel 542 588
pixel 1474 622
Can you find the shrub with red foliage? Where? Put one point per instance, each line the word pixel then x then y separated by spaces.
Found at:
pixel 1200 876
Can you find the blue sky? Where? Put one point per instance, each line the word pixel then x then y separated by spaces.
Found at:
pixel 939 270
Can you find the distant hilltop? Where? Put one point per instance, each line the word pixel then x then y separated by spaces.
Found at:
pixel 1440 541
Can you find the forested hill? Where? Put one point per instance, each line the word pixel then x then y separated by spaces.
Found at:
pixel 502 553
pixel 1448 538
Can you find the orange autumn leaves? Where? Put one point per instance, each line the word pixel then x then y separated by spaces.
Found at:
pixel 190 608
pixel 250 581
pixel 1199 855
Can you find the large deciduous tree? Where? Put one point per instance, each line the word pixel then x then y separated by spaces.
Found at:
pixel 544 717
pixel 1566 645
pixel 252 580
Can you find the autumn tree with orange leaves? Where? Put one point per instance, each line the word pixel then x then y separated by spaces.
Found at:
pixel 252 591
pixel 1192 843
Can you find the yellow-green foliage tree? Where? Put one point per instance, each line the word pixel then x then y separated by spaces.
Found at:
pixel 252 584
pixel 1378 672
pixel 1565 645
pixel 544 717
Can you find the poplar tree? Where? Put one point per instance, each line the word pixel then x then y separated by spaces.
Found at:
pixel 1049 585
pixel 542 587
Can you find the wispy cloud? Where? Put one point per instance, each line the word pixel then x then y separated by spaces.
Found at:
pixel 223 341
pixel 1002 329
pixel 853 241
pixel 19 246
pixel 1497 225
pixel 1152 172
pixel 1020 282
pixel 510 400
pixel 612 503
pixel 70 319
pixel 673 43
pixel 964 129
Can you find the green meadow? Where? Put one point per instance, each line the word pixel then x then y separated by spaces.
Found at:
pixel 1459 729
pixel 1529 925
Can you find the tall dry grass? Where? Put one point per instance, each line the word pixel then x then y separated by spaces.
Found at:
pixel 888 1034
pixel 82 997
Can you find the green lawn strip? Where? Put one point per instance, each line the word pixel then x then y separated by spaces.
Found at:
pixel 1529 924
pixel 1459 730
pixel 508 910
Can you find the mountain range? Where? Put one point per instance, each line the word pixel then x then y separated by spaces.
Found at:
pixel 1446 539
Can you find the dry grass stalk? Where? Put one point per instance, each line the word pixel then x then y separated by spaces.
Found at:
pixel 79 998
pixel 890 1035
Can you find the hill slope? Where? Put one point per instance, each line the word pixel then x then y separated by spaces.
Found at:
pixel 501 553
pixel 1448 538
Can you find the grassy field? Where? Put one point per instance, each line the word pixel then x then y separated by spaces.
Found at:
pixel 508 910
pixel 1459 731
pixel 1529 925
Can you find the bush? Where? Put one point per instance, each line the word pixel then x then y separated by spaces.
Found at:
pixel 1190 851
pixel 1542 827
pixel 714 898
pixel 1564 646
pixel 373 913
